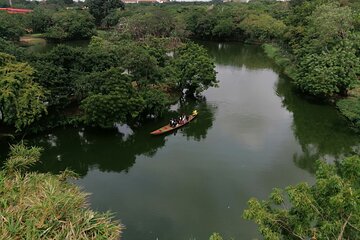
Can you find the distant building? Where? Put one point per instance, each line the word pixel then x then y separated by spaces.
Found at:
pixel 144 1
pixel 190 0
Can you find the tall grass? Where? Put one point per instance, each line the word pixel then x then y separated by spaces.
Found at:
pixel 45 206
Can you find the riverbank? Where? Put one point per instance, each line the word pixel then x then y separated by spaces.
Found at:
pixel 32 39
pixel 348 106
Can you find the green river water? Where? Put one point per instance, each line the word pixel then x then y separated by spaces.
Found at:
pixel 253 133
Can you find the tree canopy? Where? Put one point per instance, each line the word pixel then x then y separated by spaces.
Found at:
pixel 327 210
pixel 22 101
pixel 71 24
pixel 101 8
pixel 194 68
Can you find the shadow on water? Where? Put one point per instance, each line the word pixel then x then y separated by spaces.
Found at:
pixel 320 130
pixel 115 150
pixel 198 128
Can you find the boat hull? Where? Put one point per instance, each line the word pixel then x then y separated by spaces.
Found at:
pixel 168 128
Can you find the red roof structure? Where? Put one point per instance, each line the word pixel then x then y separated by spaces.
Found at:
pixel 16 10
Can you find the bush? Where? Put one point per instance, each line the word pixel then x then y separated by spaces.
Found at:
pixel 45 206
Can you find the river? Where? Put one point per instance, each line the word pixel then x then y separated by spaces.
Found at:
pixel 253 133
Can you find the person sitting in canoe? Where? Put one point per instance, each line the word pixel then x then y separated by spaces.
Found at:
pixel 173 122
pixel 183 116
pixel 194 113
pixel 179 119
pixel 182 119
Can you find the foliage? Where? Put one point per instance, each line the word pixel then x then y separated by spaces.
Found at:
pixel 45 206
pixel 56 80
pixel 71 24
pixel 155 101
pixel 158 23
pixel 22 101
pixel 117 80
pixel 330 72
pixel 328 25
pixel 10 26
pixel 141 64
pixel 195 69
pixel 21 158
pixel 223 29
pixel 40 20
pixel 215 236
pixel 12 49
pixel 326 210
pixel 262 27
pixel 100 8
pixel 112 99
pixel 201 23
pixel 350 108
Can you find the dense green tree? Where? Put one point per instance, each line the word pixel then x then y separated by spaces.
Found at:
pixel 261 27
pixel 101 8
pixel 330 72
pixel 40 20
pixel 64 56
pixel 100 59
pixel 327 210
pixel 195 69
pixel 224 28
pixel 58 71
pixel 59 83
pixel 10 26
pixel 141 65
pixel 12 49
pixel 157 23
pixel 201 23
pixel 328 25
pixel 71 24
pixel 114 100
pixel 21 100
pixel 155 101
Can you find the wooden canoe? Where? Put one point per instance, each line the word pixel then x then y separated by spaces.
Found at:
pixel 168 128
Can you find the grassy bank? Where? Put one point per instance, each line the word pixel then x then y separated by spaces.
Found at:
pixel 45 206
pixel 282 59
pixel 350 106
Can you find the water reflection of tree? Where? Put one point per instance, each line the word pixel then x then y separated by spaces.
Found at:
pixel 110 150
pixel 235 54
pixel 319 129
pixel 198 128
pixel 107 150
